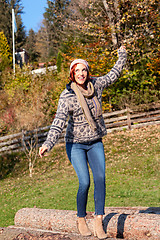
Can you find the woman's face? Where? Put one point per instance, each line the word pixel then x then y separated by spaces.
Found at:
pixel 80 74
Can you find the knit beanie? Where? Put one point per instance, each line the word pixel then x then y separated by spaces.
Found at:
pixel 76 61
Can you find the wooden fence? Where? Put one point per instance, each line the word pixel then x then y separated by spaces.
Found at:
pixel 117 120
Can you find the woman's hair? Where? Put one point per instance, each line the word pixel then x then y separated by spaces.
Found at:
pixel 72 72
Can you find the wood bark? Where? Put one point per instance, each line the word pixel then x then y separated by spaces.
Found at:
pixel 128 223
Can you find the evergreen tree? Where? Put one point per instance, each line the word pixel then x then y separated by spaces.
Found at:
pixel 59 62
pixel 56 16
pixel 42 42
pixel 6 7
pixel 30 46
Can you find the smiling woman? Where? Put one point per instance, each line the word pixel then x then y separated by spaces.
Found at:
pixel 82 101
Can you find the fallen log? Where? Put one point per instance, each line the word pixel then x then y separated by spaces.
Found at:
pixel 126 223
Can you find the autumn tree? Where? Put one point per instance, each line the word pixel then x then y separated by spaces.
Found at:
pixel 136 24
pixel 133 23
pixel 85 21
pixel 5 53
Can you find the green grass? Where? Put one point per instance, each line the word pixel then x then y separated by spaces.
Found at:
pixel 132 176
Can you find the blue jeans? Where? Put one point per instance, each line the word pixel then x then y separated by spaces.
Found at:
pixel 80 155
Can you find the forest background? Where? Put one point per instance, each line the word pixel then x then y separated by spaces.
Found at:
pixel 70 29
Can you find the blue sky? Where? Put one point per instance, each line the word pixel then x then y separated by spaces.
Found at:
pixel 33 13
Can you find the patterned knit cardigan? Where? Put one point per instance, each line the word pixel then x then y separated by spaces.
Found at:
pixel 78 129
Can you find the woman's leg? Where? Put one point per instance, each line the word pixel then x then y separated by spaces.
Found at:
pixel 77 155
pixel 96 159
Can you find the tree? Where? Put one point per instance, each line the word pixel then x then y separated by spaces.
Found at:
pixel 6 7
pixel 5 53
pixel 55 22
pixel 30 147
pixel 42 42
pixel 30 46
pixel 87 21
pixel 135 23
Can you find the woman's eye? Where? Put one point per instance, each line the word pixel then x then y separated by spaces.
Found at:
pixel 78 70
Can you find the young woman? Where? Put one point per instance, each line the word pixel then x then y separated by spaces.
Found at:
pixel 81 101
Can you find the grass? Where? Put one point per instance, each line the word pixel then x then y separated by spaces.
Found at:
pixel 132 176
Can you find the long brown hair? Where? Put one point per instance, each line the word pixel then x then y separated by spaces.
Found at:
pixel 72 72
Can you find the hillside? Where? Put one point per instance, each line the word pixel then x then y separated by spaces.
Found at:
pixel 132 169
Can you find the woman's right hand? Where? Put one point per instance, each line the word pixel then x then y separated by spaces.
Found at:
pixel 122 51
pixel 122 47
pixel 42 150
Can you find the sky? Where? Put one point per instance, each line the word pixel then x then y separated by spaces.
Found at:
pixel 33 13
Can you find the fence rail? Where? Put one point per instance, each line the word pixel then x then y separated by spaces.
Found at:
pixel 117 120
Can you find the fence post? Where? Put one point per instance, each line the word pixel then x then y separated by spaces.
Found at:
pixel 23 141
pixel 128 118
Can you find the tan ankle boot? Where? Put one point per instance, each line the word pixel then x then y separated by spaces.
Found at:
pixel 82 227
pixel 98 228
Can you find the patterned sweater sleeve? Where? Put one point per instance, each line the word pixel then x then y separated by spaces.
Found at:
pixel 115 72
pixel 58 123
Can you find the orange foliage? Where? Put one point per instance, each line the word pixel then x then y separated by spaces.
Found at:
pixel 154 65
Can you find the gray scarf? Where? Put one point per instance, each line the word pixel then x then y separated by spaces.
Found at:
pixel 89 93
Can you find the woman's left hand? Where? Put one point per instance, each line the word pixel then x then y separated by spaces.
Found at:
pixel 42 150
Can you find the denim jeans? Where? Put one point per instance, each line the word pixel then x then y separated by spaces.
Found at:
pixel 80 155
